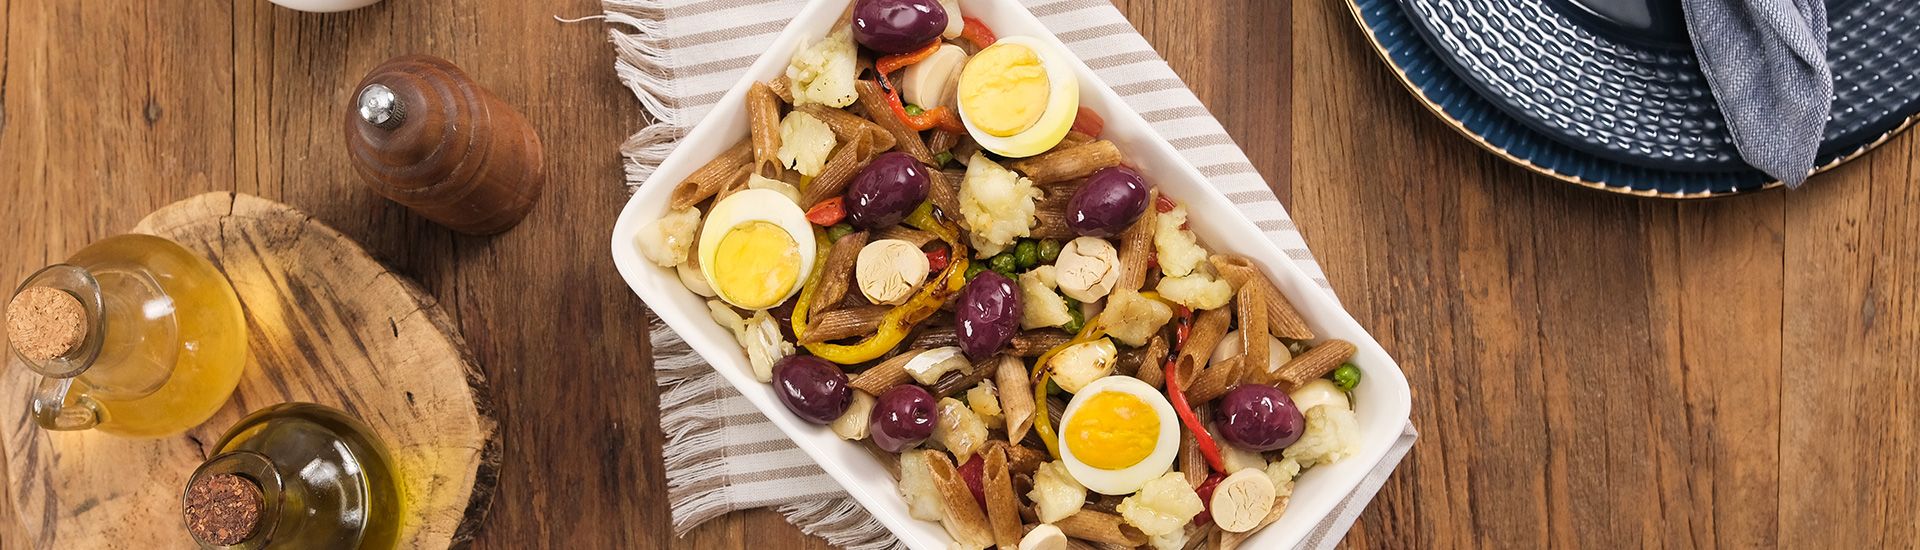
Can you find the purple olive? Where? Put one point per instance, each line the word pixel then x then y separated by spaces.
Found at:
pixel 814 389
pixel 886 190
pixel 987 315
pixel 897 26
pixel 1110 201
pixel 903 417
pixel 1259 418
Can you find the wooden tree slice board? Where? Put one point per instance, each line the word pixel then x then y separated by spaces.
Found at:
pixel 328 324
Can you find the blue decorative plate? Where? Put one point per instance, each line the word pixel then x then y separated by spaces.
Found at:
pixel 1398 41
pixel 1618 78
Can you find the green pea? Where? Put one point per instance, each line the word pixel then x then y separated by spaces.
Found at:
pixel 974 268
pixel 1004 263
pixel 1049 250
pixel 1347 376
pixel 1053 388
pixel 943 158
pixel 1027 253
pixel 914 110
pixel 837 231
pixel 1072 304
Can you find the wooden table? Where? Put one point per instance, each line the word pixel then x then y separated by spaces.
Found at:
pixel 1588 369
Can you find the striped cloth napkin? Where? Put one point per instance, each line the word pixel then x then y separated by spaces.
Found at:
pixel 680 56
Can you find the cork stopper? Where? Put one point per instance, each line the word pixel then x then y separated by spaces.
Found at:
pixel 44 323
pixel 223 509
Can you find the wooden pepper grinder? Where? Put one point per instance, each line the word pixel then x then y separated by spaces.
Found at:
pixel 424 135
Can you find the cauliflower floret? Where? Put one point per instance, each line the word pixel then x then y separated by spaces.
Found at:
pixel 756 181
pixel 1283 472
pixel 1040 305
pixel 1197 290
pixel 805 142
pixel 1162 506
pixel 959 430
pixel 667 240
pixel 1055 493
pixel 997 204
pixel 1332 434
pixel 764 344
pixel 825 71
pixel 1178 250
pixel 916 486
pixel 1172 540
pixel 1082 363
pixel 984 399
pixel 1132 318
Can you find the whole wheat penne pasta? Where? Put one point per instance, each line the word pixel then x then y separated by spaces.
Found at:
pixel 1251 309
pixel 1211 382
pixel 1069 163
pixel 942 141
pixel 1209 327
pixel 1034 343
pixel 1316 362
pixel 1096 526
pixel 847 126
pixel 840 323
pixel 1075 138
pixel 836 275
pixel 763 127
pixel 1136 247
pixel 1050 215
pixel 707 180
pixel 1024 460
pixel 934 336
pixel 736 181
pixel 783 88
pixel 884 376
pixel 956 382
pixel 962 516
pixel 1003 507
pixel 1283 321
pixel 1016 396
pixel 904 139
pixel 1193 465
pixel 904 233
pixel 963 152
pixel 944 192
pixel 1152 363
pixel 890 461
pixel 841 167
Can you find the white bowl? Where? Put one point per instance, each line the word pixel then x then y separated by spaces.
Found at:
pixel 1382 400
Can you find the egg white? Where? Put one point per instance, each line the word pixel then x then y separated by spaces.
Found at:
pixel 749 206
pixel 1127 480
pixel 1063 104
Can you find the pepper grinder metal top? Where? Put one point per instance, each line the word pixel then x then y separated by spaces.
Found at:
pixel 420 132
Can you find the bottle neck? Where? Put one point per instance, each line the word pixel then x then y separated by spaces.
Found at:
pixel 56 321
pixel 234 501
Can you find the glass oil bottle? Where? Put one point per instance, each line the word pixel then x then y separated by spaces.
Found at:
pixel 133 335
pixel 296 476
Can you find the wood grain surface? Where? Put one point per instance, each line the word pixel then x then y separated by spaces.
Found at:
pixel 326 324
pixel 1588 370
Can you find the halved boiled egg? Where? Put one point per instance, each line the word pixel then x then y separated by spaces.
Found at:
pixel 1117 434
pixel 756 248
pixel 1018 97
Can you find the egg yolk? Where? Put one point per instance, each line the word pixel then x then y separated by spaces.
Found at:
pixel 755 264
pixel 1113 431
pixel 1003 89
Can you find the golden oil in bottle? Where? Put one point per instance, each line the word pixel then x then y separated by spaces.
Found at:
pixel 308 476
pixel 156 338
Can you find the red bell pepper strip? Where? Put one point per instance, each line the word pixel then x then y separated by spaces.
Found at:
pixel 937 259
pixel 1206 498
pixel 976 32
pixel 1089 122
pixel 1208 448
pixel 930 117
pixel 828 212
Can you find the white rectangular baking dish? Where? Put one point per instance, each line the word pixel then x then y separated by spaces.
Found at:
pixel 1383 400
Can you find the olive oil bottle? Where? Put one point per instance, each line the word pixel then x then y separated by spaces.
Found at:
pixel 296 476
pixel 133 335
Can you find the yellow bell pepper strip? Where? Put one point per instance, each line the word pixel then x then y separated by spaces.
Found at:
pixel 1043 373
pixel 901 319
pixel 930 117
pixel 1208 447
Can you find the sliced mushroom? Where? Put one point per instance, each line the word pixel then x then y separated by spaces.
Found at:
pixel 1044 537
pixel 1229 348
pixel 691 276
pixel 889 269
pixel 955 21
pixel 1242 500
pixel 1087 269
pixel 931 82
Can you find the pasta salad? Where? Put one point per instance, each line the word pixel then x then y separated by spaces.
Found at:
pixel 924 245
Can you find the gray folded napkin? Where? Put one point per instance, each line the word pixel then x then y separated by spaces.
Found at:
pixel 1766 62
